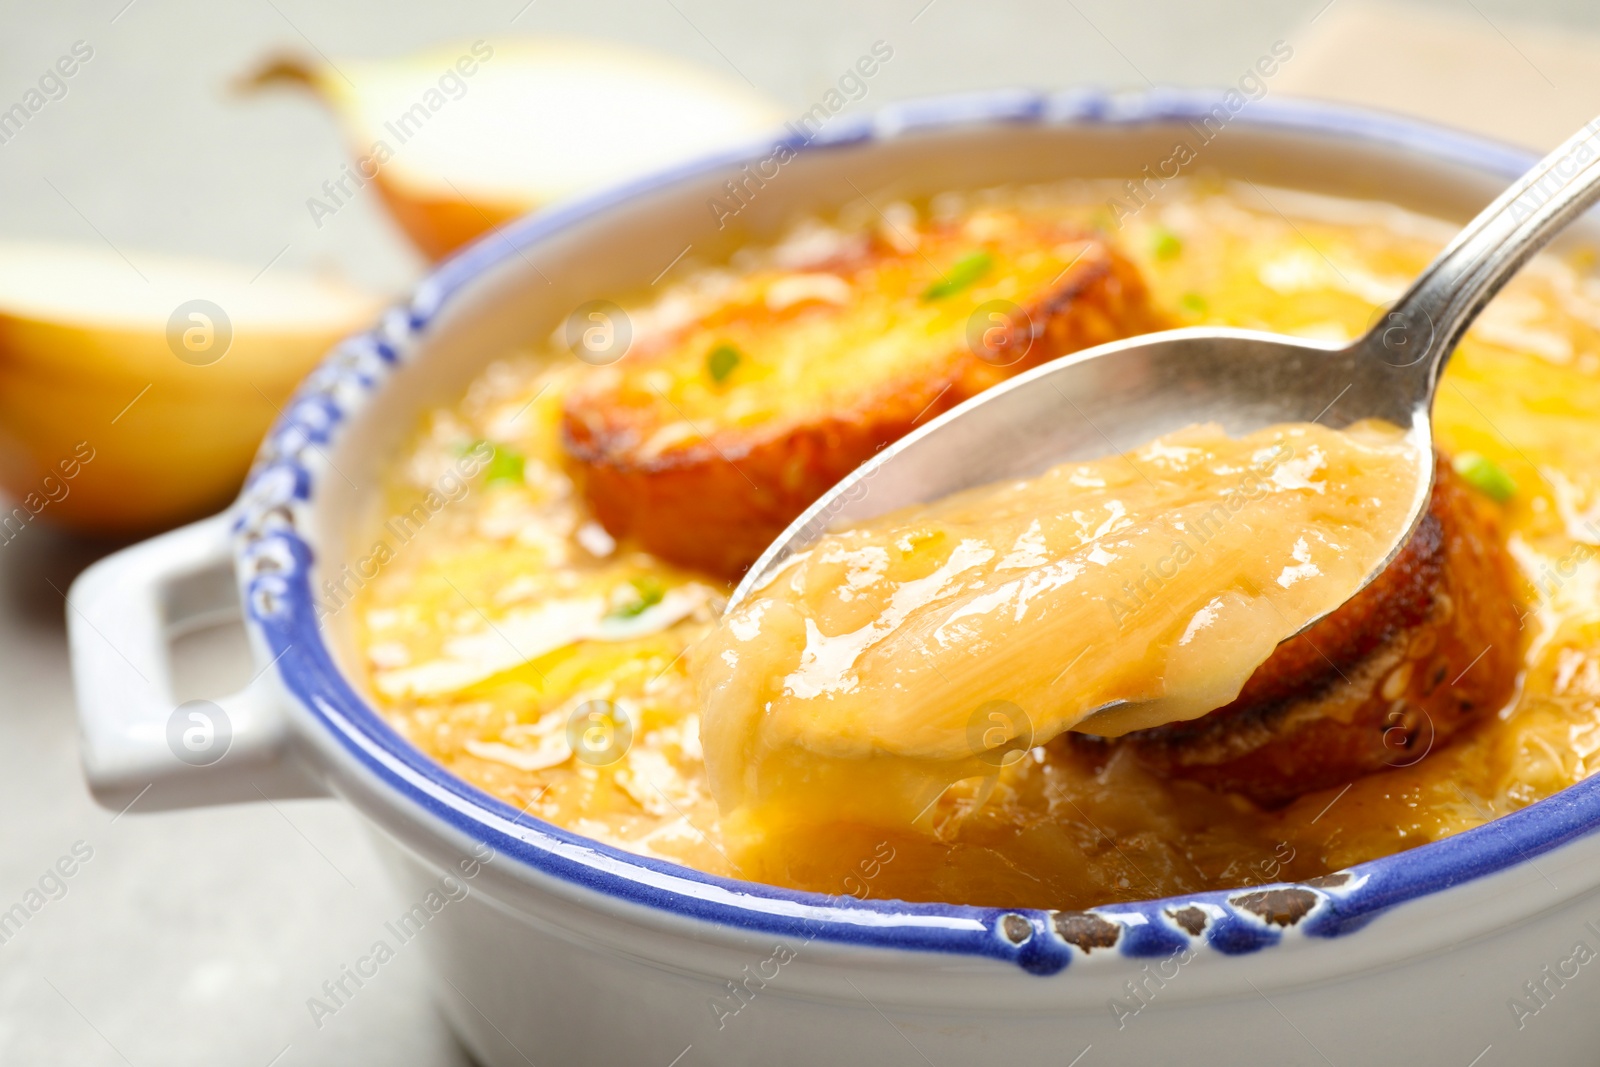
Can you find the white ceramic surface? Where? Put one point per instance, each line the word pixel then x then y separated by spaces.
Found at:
pixel 555 949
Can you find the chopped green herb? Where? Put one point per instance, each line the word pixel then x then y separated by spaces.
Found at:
pixel 962 273
pixel 1486 476
pixel 1194 302
pixel 1167 245
pixel 720 362
pixel 649 593
pixel 506 465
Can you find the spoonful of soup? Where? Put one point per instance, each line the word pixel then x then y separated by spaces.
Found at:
pixel 1111 542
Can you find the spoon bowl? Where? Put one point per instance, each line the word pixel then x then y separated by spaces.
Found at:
pixel 1103 401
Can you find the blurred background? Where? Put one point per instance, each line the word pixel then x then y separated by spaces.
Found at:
pixel 197 937
pixel 151 149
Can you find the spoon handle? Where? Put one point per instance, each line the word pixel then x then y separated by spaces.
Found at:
pixel 1424 325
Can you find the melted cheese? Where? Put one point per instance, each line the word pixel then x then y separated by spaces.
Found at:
pixel 894 659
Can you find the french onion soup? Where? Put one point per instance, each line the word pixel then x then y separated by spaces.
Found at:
pixel 1088 686
pixel 855 685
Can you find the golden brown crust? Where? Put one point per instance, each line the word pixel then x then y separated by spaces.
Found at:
pixel 715 503
pixel 1430 646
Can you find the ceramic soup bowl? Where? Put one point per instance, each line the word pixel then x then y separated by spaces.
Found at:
pixel 564 950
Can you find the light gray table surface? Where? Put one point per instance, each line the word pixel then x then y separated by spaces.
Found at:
pixel 197 937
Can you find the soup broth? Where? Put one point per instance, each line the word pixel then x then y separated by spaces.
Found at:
pixel 515 641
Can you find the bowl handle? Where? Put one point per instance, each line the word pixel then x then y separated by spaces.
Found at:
pixel 138 740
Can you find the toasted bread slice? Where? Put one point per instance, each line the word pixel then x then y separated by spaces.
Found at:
pixel 708 438
pixel 1429 647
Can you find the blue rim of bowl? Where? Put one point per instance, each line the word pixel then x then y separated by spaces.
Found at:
pixel 275 564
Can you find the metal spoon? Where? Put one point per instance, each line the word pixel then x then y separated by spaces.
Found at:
pixel 1119 396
